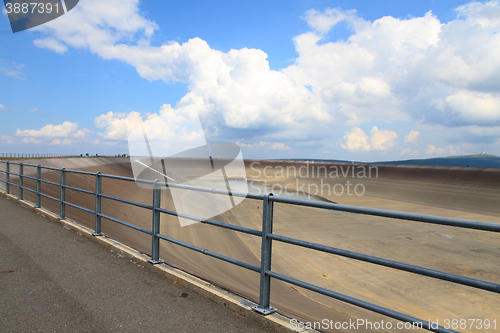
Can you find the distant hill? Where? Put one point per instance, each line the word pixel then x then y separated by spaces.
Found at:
pixel 478 160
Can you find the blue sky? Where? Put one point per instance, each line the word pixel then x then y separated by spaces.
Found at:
pixel 353 80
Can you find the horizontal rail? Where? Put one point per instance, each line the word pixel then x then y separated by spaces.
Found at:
pixel 210 253
pixel 50 168
pixel 467 281
pixel 138 204
pixel 49 182
pixel 358 302
pixel 213 190
pixel 450 221
pixel 146 231
pixel 126 178
pixel 82 172
pixel 188 187
pixel 79 207
pixel 19 163
pixel 48 196
pixel 212 222
pixel 79 189
pixel 11 183
pixel 29 177
pixel 28 189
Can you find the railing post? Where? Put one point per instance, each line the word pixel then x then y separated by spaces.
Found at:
pixel 98 191
pixel 21 171
pixel 155 241
pixel 7 177
pixel 265 261
pixel 62 214
pixel 38 185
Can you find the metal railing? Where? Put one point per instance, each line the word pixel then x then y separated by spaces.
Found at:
pixel 266 234
pixel 31 155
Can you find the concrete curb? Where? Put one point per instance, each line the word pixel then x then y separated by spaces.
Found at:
pixel 275 321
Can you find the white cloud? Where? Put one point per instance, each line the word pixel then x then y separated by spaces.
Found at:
pixel 64 130
pixel 96 25
pixel 389 69
pixel 13 69
pixel 451 150
pixel 266 145
pixel 431 150
pixel 279 146
pixel 35 110
pixel 486 15
pixel 31 140
pixel 323 22
pixel 1 106
pixel 118 125
pixel 382 140
pixel 167 127
pixel 420 59
pixel 51 44
pixel 475 106
pixel 6 139
pixel 59 142
pixel 357 139
pixel 408 151
pixel 412 136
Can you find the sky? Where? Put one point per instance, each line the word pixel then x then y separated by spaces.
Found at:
pixel 349 80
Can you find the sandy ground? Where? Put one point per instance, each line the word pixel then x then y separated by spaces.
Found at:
pixel 471 193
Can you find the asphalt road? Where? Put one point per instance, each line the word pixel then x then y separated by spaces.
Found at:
pixel 53 280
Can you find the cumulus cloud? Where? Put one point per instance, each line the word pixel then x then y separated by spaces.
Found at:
pixel 451 150
pixel 1 106
pixel 96 25
pixel 59 142
pixel 357 139
pixel 412 136
pixel 266 145
pixel 487 15
pixel 408 151
pixel 31 140
pixel 322 22
pixel 382 140
pixel 6 139
pixel 475 106
pixel 65 130
pixel 413 69
pixel 169 132
pixel 118 126
pixel 421 60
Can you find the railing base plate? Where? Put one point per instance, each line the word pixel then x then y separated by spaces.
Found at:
pixel 97 234
pixel 264 312
pixel 155 262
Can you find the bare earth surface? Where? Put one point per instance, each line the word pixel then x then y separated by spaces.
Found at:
pixel 470 193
